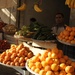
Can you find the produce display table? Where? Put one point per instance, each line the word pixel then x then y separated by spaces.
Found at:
pixel 26 42
pixel 21 70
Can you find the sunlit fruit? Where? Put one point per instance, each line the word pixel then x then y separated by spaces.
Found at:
pixel 38 65
pixel 47 68
pixel 37 70
pixel 42 72
pixel 69 69
pixel 55 67
pixel 62 66
pixel 68 28
pixel 62 72
pixel 49 73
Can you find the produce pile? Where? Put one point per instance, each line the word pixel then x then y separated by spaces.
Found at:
pixel 4 44
pixel 68 35
pixel 44 33
pixel 52 62
pixel 17 55
pixel 23 32
pixel 9 29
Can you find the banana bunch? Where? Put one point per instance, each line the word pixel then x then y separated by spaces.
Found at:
pixel 36 8
pixel 70 3
pixel 22 7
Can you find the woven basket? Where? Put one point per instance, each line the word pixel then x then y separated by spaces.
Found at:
pixel 9 32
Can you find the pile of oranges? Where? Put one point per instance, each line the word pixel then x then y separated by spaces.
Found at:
pixel 17 55
pixel 52 62
pixel 68 35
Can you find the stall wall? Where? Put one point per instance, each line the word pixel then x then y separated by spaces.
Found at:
pixel 72 17
pixel 50 8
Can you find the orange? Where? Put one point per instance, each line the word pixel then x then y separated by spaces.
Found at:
pixel 68 28
pixel 33 68
pixel 49 54
pixel 55 50
pixel 62 60
pixel 12 63
pixel 67 37
pixel 73 64
pixel 37 70
pixel 73 42
pixel 42 58
pixel 62 66
pixel 56 61
pixel 60 37
pixel 68 62
pixel 8 63
pixel 21 59
pixel 38 65
pixel 44 63
pixel 68 41
pixel 30 54
pixel 54 55
pixel 63 37
pixel 56 73
pixel 30 64
pixel 69 74
pixel 49 60
pixel 60 54
pixel 49 73
pixel 47 68
pixel 73 28
pixel 64 40
pixel 66 57
pixel 16 59
pixel 69 69
pixel 17 64
pixel 38 54
pixel 55 67
pixel 49 50
pixel 42 72
pixel 22 64
pixel 26 58
pixel 18 48
pixel 66 33
pixel 71 37
pixel 61 34
pixel 3 55
pixel 35 58
pixel 72 33
pixel 45 54
pixel 7 58
pixel 62 73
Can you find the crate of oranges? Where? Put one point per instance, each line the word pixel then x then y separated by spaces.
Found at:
pixel 51 62
pixel 67 36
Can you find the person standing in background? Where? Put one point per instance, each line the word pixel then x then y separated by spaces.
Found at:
pixel 59 23
pixel 58 27
pixel 34 25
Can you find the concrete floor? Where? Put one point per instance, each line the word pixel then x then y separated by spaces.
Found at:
pixel 8 71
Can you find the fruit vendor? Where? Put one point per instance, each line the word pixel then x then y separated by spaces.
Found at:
pixel 58 27
pixel 59 23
